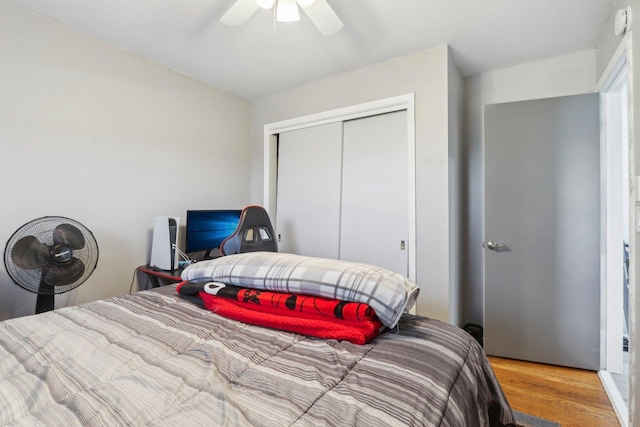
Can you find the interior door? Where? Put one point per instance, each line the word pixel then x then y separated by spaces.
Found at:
pixel 308 193
pixel 375 192
pixel 542 231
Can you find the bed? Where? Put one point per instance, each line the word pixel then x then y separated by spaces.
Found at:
pixel 160 358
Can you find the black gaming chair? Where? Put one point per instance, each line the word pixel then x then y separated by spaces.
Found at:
pixel 254 233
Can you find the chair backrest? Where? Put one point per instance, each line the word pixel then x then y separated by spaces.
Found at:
pixel 254 233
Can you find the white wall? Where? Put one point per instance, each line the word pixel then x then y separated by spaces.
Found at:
pixel 634 245
pixel 426 74
pixel 456 195
pixel 561 76
pixel 93 133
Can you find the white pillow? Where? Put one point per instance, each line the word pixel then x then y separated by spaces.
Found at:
pixel 389 294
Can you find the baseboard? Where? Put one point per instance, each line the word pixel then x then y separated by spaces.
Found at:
pixel 619 406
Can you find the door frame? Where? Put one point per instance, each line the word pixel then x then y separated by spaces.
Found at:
pixel 386 105
pixel 619 68
pixel 612 232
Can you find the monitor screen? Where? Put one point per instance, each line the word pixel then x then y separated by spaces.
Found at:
pixel 206 230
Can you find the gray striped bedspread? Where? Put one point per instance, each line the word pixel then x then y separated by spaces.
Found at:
pixel 159 359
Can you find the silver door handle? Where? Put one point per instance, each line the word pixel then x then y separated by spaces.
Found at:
pixel 494 246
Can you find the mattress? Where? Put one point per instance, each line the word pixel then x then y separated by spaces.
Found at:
pixel 156 358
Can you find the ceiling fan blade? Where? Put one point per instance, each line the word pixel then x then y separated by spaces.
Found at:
pixel 65 274
pixel 68 235
pixel 28 253
pixel 240 12
pixel 323 17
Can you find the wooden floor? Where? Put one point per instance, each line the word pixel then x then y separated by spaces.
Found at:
pixel 571 397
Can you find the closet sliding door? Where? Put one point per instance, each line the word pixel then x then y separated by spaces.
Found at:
pixel 308 192
pixel 375 191
pixel 343 191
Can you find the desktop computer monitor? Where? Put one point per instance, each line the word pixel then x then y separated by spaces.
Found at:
pixel 206 229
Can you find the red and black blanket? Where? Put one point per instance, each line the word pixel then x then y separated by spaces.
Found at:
pixel 308 315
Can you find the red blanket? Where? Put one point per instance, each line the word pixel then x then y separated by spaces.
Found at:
pixel 314 316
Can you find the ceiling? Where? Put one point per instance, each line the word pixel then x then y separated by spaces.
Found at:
pixel 256 60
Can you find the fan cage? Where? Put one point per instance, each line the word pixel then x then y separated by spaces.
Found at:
pixel 42 229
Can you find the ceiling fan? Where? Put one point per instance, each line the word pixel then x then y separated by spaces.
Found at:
pixel 318 11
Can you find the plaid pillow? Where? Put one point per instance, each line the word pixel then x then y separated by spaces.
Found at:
pixel 389 294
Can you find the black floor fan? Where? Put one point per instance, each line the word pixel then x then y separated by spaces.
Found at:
pixel 50 255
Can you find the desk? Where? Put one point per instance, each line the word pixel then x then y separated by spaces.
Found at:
pixel 159 277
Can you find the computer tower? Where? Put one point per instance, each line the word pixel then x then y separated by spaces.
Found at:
pixel 164 254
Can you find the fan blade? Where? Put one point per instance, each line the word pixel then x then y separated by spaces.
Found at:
pixel 68 235
pixel 28 253
pixel 323 17
pixel 65 274
pixel 240 12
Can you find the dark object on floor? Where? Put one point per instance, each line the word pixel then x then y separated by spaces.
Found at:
pixel 475 331
pixel 526 420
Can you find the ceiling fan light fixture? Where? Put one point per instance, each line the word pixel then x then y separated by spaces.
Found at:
pixel 319 13
pixel 287 11
pixel 265 4
pixel 305 3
